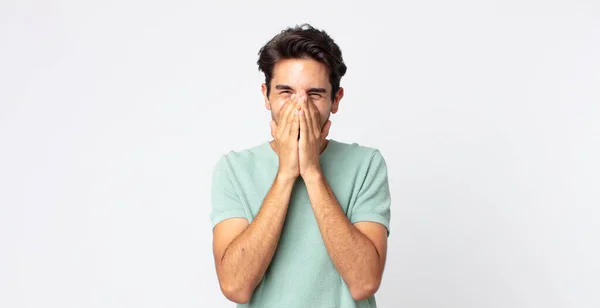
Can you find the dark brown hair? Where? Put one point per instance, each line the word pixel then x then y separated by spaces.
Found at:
pixel 306 42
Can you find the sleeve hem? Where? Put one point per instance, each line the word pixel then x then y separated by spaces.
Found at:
pixel 371 218
pixel 226 215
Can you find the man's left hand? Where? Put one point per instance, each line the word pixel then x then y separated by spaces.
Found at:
pixel 312 138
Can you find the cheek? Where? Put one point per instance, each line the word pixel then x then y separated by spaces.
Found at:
pixel 276 114
pixel 280 100
pixel 323 114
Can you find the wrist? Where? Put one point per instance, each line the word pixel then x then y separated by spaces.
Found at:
pixel 285 178
pixel 313 176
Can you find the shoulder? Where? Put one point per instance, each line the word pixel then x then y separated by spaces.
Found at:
pixel 358 153
pixel 243 157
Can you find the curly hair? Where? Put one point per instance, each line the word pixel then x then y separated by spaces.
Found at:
pixel 303 42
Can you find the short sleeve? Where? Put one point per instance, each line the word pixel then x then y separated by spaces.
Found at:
pixel 225 199
pixel 373 199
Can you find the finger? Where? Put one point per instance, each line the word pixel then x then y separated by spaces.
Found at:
pixel 284 115
pixel 304 100
pixel 282 119
pixel 315 119
pixel 303 125
pixel 308 114
pixel 292 107
pixel 295 132
pixel 325 130
pixel 273 129
pixel 292 126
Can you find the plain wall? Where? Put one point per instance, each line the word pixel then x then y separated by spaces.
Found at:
pixel 114 113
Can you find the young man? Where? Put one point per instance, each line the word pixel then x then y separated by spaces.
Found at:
pixel 301 221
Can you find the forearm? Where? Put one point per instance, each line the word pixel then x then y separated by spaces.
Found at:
pixel 353 254
pixel 248 256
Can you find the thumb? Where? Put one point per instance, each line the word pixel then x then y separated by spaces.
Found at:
pixel 273 129
pixel 325 130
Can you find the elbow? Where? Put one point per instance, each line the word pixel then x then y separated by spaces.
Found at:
pixel 363 291
pixel 236 293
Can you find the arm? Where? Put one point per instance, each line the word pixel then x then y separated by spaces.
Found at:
pixel 244 251
pixel 358 251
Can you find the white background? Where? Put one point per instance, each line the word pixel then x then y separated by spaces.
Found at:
pixel 113 114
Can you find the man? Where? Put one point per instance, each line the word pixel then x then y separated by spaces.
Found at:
pixel 301 221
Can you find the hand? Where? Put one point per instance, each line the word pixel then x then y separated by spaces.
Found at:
pixel 312 138
pixel 286 140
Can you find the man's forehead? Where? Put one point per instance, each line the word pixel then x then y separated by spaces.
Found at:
pixel 300 80
pixel 291 67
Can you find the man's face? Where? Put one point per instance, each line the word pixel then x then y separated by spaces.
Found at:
pixel 294 76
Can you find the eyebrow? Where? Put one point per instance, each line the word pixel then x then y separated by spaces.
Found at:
pixel 311 90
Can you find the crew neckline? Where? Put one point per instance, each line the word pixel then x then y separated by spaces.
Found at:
pixel 272 152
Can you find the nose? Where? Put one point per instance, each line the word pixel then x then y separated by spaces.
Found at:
pixel 302 95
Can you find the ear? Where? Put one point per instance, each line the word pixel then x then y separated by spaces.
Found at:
pixel 263 89
pixel 336 101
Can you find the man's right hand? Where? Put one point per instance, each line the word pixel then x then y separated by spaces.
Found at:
pixel 285 134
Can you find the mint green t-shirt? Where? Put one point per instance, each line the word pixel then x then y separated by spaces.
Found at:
pixel 301 273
